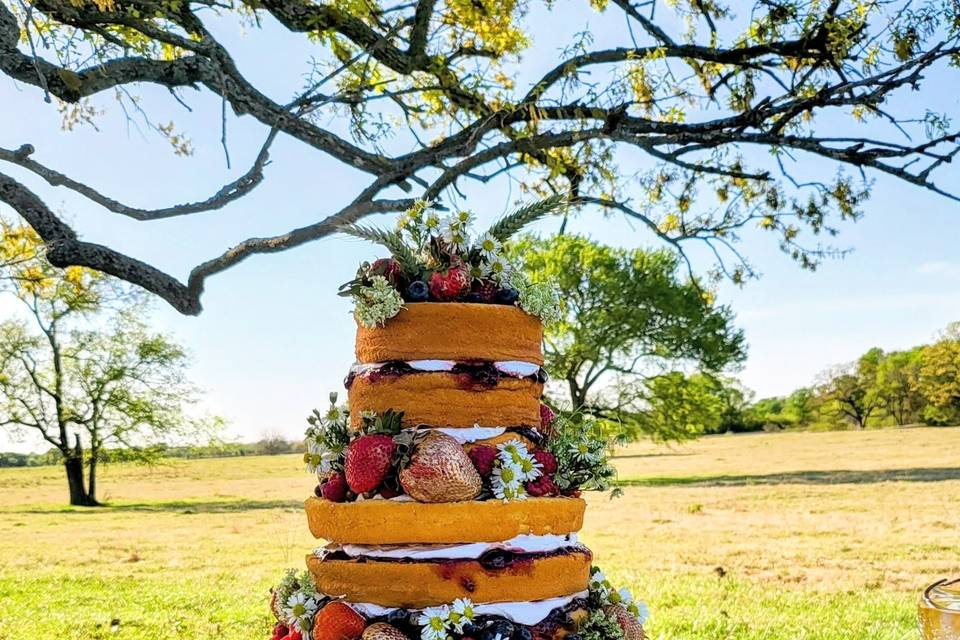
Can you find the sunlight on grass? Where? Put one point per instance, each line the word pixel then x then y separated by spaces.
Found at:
pixel 767 537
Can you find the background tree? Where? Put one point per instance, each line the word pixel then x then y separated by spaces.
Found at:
pixel 629 318
pixel 939 379
pixel 81 370
pixel 897 385
pixel 851 389
pixel 656 123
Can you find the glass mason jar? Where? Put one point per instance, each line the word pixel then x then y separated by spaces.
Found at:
pixel 940 611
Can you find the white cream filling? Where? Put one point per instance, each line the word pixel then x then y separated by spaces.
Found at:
pixel 514 368
pixel 526 613
pixel 525 543
pixel 471 434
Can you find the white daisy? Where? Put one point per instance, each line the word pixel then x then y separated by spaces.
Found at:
pixel 500 270
pixel 434 623
pixel 461 613
pixel 512 451
pixel 506 482
pixel 299 607
pixel 489 247
pixel 581 451
pixel 479 271
pixel 640 611
pixel 455 235
pixel 464 218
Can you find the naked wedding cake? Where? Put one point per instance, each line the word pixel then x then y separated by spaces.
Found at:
pixel 449 497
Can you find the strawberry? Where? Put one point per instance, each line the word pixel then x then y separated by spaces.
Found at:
pixel 294 635
pixel 383 631
pixel 450 284
pixel 335 489
pixel 483 457
pixel 632 629
pixel 547 460
pixel 440 471
pixel 280 631
pixel 368 462
pixel 542 486
pixel 486 290
pixel 389 269
pixel 337 621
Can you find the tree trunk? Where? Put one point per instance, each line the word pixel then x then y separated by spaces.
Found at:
pixel 73 464
pixel 92 482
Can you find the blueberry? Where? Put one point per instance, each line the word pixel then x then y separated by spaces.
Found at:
pixel 418 291
pixel 473 296
pixel 522 633
pixel 470 630
pixel 508 295
pixel 398 618
pixel 318 491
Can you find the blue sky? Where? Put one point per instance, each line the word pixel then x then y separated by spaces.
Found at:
pixel 274 338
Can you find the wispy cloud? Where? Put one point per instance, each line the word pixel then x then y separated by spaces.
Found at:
pixel 940 268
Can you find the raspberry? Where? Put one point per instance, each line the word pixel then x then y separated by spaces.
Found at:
pixel 547 460
pixel 486 290
pixel 335 489
pixel 388 492
pixel 542 486
pixel 280 631
pixel 294 635
pixel 547 416
pixel 483 457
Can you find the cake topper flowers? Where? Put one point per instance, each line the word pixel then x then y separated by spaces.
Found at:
pixel 441 259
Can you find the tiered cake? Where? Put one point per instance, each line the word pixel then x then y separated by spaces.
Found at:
pixel 450 497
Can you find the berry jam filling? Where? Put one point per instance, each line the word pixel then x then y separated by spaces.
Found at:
pixel 492 560
pixel 484 375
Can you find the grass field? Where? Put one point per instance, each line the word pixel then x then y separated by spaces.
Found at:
pixel 819 536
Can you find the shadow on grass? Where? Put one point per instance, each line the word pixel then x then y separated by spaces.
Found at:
pixel 185 507
pixel 836 476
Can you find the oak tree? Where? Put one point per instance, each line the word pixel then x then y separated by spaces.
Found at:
pixel 695 119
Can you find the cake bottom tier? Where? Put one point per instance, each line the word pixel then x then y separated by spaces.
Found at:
pixel 414 584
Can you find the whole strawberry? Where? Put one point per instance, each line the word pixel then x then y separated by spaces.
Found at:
pixel 548 461
pixel 483 458
pixel 440 471
pixel 335 488
pixel 450 284
pixel 542 486
pixel 389 269
pixel 294 635
pixel 368 462
pixel 632 629
pixel 383 631
pixel 337 621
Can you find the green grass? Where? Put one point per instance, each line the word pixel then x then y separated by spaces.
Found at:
pixel 819 536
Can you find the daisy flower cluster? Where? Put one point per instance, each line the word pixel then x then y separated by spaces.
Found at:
pixel 297 601
pixel 327 438
pixel 581 447
pixel 435 240
pixel 436 623
pixel 604 593
pixel 513 467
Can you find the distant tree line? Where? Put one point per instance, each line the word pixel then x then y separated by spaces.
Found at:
pixel 271 445
pixel 880 388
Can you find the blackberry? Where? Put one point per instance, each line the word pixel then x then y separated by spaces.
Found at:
pixel 398 618
pixel 522 633
pixel 502 628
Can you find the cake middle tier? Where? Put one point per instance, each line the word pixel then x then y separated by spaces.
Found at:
pixel 448 399
pixel 498 575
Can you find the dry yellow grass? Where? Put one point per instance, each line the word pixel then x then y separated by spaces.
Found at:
pixel 820 536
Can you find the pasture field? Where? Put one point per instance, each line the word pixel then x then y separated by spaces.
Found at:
pixel 796 536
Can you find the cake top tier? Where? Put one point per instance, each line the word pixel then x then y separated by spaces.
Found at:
pixel 460 332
